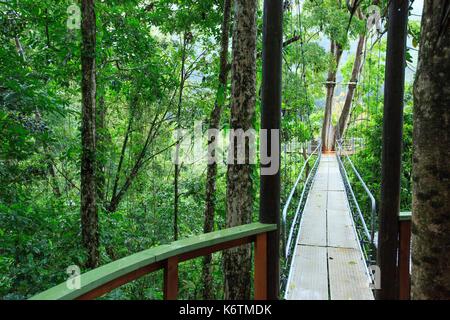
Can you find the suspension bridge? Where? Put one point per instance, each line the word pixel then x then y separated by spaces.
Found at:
pixel 325 258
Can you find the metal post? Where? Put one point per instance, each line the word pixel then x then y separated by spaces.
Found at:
pixel 270 119
pixel 392 149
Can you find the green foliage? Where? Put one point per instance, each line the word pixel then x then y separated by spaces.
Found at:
pixel 138 68
pixel 414 32
pixel 333 19
pixel 140 45
pixel 366 123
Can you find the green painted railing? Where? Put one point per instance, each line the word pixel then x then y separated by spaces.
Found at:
pixel 101 280
pixel 405 216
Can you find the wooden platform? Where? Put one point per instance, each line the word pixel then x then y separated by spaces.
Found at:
pixel 327 263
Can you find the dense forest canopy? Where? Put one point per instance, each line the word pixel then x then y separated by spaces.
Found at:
pixel 94 95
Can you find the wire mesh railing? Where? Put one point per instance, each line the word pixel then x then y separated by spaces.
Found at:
pixel 366 235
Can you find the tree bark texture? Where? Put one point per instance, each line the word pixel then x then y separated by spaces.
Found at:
pixel 431 164
pixel 237 261
pixel 89 217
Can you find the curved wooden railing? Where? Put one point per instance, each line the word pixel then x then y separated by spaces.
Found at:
pixel 99 281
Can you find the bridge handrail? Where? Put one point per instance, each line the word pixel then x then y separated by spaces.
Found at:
pixel 370 235
pixel 294 220
pixel 101 280
pixel 291 194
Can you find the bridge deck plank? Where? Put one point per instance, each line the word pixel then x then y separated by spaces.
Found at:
pixel 347 279
pixel 310 275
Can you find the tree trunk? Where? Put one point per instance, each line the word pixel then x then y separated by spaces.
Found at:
pixel 327 128
pixel 53 178
pixel 176 194
pixel 176 197
pixel 237 261
pixel 431 165
pixel 344 117
pixel 89 218
pixel 214 121
pixel 305 156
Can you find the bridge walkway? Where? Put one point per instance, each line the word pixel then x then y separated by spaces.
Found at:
pixel 327 262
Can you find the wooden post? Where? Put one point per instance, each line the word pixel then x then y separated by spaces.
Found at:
pixel 171 279
pixel 392 149
pixel 260 281
pixel 404 256
pixel 269 211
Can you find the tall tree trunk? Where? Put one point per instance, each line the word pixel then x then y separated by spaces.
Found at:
pixel 20 49
pixel 176 197
pixel 344 117
pixel 431 164
pixel 305 157
pixel 237 261
pixel 327 127
pixel 53 177
pixel 212 167
pixel 89 218
pixel 176 193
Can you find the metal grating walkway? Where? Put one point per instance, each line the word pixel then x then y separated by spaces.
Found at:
pixel 327 261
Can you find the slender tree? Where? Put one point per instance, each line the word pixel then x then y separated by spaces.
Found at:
pixel 327 127
pixel 344 118
pixel 345 113
pixel 214 121
pixel 89 217
pixel 176 193
pixel 237 261
pixel 431 165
